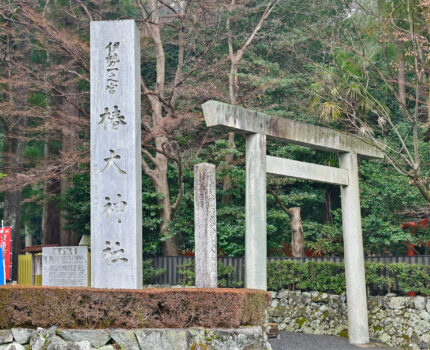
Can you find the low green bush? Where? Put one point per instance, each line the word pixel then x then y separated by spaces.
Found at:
pixel 379 277
pixel 225 275
pixel 330 277
pixel 150 273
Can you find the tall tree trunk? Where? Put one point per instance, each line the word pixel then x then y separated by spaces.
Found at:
pixel 160 181
pixel 13 161
pixel 170 245
pixel 233 80
pixel 233 87
pixel 28 239
pixel 68 237
pixel 297 234
pixel 50 210
pixel 50 230
pixel 327 216
pixel 13 158
pixel 51 213
pixel 401 79
pixel 226 197
pixel 158 175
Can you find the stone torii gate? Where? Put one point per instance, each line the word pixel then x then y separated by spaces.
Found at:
pixel 257 127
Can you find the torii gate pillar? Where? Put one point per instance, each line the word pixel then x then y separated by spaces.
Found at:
pixel 353 252
pixel 255 213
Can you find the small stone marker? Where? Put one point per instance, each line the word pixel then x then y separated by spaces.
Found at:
pixel 65 266
pixel 116 175
pixel 205 225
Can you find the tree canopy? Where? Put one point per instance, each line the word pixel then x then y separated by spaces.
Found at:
pixel 355 65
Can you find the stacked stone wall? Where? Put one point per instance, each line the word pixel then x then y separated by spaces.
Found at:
pixel 396 321
pixel 134 339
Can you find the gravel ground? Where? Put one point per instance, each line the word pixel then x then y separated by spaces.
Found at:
pixel 303 341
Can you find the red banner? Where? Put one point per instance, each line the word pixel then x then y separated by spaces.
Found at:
pixel 5 244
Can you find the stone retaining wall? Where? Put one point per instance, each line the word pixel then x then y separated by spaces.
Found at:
pixel 396 321
pixel 246 338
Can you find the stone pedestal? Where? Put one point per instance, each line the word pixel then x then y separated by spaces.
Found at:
pixel 116 189
pixel 205 225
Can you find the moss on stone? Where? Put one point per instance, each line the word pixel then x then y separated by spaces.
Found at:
pixel 279 310
pixel 343 333
pixel 406 337
pixel 318 297
pixel 300 321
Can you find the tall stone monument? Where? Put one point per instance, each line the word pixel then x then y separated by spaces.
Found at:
pixel 205 225
pixel 116 182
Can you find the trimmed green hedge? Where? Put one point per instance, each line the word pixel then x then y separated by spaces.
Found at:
pixel 330 277
pixel 225 275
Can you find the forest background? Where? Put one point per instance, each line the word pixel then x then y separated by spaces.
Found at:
pixel 356 65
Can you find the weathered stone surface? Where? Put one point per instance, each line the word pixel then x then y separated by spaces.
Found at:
pixel 12 346
pixel 353 252
pixel 218 114
pixel 82 345
pixel 420 303
pixel 425 316
pixel 37 341
pixel 247 338
pixel 6 336
pixel 56 343
pixel 22 335
pixel 395 321
pixel 205 225
pixel 116 174
pixel 251 338
pixel 162 339
pixel 65 266
pixel 255 213
pixel 397 303
pixel 306 171
pixel 97 337
pixel 125 338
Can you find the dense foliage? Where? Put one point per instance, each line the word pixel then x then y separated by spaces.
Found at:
pixel 358 66
pixel 329 277
pixel 225 275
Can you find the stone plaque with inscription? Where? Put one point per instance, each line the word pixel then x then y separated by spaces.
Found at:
pixel 65 266
pixel 116 175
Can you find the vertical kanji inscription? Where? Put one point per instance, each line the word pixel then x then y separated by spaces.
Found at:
pixel 116 191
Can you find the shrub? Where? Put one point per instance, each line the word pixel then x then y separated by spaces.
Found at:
pixel 225 275
pixel 149 272
pixel 378 277
pixel 284 274
pixel 412 278
pixel 329 277
pixel 33 307
pixel 311 275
